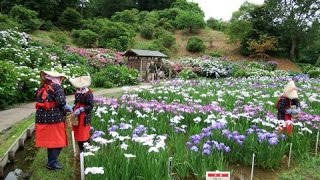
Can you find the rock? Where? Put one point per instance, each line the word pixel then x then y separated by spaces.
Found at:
pixel 11 176
pixel 18 172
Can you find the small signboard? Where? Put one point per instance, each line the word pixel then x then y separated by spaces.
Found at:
pixel 217 175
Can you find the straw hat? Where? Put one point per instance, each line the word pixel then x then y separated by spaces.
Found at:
pixel 290 90
pixel 81 82
pixel 53 74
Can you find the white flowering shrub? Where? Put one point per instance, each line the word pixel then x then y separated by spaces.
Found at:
pixel 21 63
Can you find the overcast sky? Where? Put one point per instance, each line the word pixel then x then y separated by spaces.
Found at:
pixel 221 8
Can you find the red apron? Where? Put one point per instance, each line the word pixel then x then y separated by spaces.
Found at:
pixel 288 127
pixel 82 131
pixel 51 135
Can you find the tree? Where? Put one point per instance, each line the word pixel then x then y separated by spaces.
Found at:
pixel 26 18
pixel 70 19
pixel 240 25
pixel 149 5
pixel 264 45
pixel 216 24
pixel 188 6
pixel 190 20
pixel 295 17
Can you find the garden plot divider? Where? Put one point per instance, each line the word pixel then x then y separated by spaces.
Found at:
pixel 10 153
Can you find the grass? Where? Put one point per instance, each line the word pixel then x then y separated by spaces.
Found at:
pixel 66 159
pixel 113 95
pixel 52 37
pixel 10 136
pixel 141 43
pixel 306 170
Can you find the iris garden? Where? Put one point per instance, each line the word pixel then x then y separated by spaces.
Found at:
pixel 204 125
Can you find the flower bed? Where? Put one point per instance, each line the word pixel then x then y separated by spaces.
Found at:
pixel 204 125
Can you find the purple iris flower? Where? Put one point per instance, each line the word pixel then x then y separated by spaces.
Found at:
pixel 194 148
pixel 273 141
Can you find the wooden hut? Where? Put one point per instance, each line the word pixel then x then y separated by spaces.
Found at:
pixel 138 59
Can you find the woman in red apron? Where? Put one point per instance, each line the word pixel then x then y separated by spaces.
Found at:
pixel 286 101
pixel 82 109
pixel 50 130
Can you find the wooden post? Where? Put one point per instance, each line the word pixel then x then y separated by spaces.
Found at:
pixel 290 151
pixel 252 166
pixel 140 67
pixel 82 175
pixel 317 142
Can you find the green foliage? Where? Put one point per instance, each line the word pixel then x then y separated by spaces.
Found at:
pixel 309 50
pixel 216 54
pixel 187 74
pixel 127 16
pixel 58 37
pixel 216 24
pixel 26 18
pixel 115 75
pixel 195 45
pixel 47 26
pixel 147 31
pixel 240 25
pixel 8 86
pixel 190 20
pixel 188 6
pixel 314 73
pixel 70 19
pixel 114 35
pixel 167 39
pixel 240 73
pixel 7 23
pixel 85 38
pixel 318 62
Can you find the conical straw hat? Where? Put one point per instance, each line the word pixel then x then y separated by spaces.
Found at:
pixel 81 82
pixel 53 74
pixel 290 90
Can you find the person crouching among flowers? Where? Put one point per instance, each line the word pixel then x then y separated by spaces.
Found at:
pixel 51 107
pixel 288 105
pixel 82 109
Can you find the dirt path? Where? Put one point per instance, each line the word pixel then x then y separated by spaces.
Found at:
pixel 11 116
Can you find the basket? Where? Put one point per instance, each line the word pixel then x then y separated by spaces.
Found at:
pixel 72 120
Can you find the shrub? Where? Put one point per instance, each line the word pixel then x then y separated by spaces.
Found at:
pixel 318 62
pixel 314 73
pixel 115 35
pixel 47 25
pixel 187 74
pixel 195 45
pixel 70 19
pixel 8 86
pixel 240 73
pixel 167 39
pixel 216 54
pixel 7 23
pixel 85 38
pixel 271 65
pixel 115 75
pixel 216 24
pixel 26 18
pixel 58 37
pixel 147 31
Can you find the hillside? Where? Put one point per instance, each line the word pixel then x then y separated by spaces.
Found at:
pixel 219 44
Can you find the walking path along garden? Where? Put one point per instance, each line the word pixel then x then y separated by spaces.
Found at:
pixel 11 116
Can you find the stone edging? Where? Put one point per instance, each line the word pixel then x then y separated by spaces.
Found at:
pixel 10 154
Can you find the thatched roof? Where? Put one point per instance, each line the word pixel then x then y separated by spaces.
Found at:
pixel 144 53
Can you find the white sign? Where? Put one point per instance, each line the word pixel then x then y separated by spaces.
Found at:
pixel 217 175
